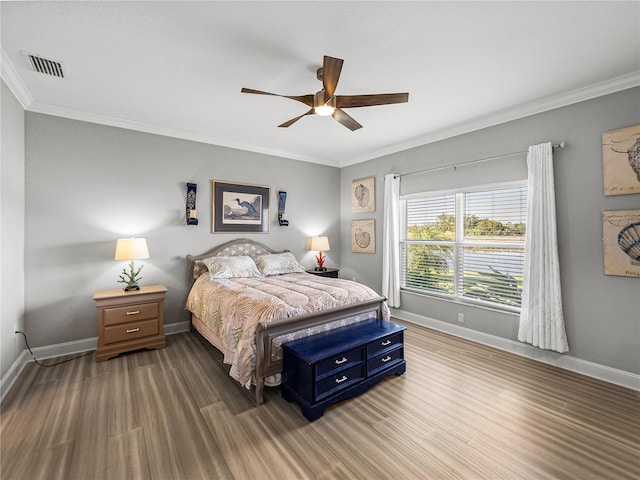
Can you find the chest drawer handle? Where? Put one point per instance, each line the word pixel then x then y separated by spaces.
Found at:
pixel 340 380
pixel 386 359
pixel 133 330
pixel 341 361
pixel 385 343
pixel 133 313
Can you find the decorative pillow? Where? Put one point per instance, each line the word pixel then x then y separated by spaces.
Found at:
pixel 199 267
pixel 230 267
pixel 278 263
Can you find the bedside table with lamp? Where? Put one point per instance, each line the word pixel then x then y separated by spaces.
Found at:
pixel 320 244
pixel 130 318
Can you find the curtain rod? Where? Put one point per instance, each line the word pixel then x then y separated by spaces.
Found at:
pixel 456 165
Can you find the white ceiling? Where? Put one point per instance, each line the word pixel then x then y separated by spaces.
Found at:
pixel 176 68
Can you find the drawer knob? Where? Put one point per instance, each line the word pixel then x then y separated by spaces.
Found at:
pixel 386 359
pixel 340 380
pixel 133 330
pixel 133 313
pixel 341 361
pixel 385 343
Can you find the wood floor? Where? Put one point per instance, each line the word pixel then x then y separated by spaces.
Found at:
pixel 462 411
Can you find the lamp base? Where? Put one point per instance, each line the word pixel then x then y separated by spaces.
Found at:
pixel 129 288
pixel 320 269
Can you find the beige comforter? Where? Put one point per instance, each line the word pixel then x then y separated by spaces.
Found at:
pixel 232 308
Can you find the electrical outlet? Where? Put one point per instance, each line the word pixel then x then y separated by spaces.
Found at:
pixel 461 317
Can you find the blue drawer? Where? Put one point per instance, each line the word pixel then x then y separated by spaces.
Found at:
pixel 339 381
pixel 339 361
pixel 386 343
pixel 387 359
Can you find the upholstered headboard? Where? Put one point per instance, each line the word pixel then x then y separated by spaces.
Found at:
pixel 239 246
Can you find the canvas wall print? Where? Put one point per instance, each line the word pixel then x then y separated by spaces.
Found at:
pixel 621 238
pixel 621 161
pixel 240 207
pixel 363 195
pixel 363 236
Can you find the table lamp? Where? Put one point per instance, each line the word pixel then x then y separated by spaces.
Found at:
pixel 131 249
pixel 319 244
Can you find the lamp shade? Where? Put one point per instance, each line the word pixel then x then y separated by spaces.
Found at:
pixel 320 244
pixel 131 249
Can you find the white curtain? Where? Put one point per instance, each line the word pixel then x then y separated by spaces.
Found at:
pixel 541 318
pixel 391 241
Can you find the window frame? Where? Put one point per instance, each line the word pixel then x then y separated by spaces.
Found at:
pixel 457 245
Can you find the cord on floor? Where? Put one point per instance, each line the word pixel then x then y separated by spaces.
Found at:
pixel 53 364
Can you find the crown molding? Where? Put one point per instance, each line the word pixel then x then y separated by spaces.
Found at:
pixel 613 85
pixel 91 117
pixel 11 77
pixel 18 88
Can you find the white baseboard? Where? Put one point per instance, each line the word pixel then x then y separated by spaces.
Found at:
pixel 567 362
pixel 61 349
pixel 15 369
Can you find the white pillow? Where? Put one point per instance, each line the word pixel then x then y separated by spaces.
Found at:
pixel 231 267
pixel 278 263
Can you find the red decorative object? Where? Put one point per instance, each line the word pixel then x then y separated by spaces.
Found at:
pixel 319 244
pixel 320 259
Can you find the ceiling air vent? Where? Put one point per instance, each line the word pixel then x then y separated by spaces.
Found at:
pixel 45 65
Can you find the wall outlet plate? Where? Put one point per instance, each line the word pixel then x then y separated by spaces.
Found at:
pixel 461 317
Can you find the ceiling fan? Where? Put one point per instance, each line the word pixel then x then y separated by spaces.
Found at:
pixel 325 102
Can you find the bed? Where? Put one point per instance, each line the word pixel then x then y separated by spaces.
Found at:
pixel 249 314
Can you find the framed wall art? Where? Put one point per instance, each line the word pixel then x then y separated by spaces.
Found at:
pixel 363 236
pixel 621 161
pixel 621 240
pixel 363 195
pixel 239 207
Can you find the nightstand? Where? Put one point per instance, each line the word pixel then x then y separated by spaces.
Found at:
pixel 129 320
pixel 329 272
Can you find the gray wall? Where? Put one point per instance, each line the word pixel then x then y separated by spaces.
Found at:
pixel 11 228
pixel 602 313
pixel 87 185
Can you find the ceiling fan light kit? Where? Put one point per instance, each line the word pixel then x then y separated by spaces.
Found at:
pixel 325 102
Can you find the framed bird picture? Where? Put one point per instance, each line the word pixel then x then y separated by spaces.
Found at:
pixel 239 207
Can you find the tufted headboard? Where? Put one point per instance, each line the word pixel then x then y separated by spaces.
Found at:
pixel 239 246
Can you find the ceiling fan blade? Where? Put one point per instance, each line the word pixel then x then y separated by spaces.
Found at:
pixel 331 69
pixel 342 117
pixel 351 101
pixel 294 120
pixel 306 99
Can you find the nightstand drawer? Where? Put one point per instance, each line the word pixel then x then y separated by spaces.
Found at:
pixel 121 333
pixel 385 343
pixel 132 313
pixel 339 361
pixel 339 381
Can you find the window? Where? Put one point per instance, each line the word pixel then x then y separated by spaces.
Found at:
pixel 468 246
